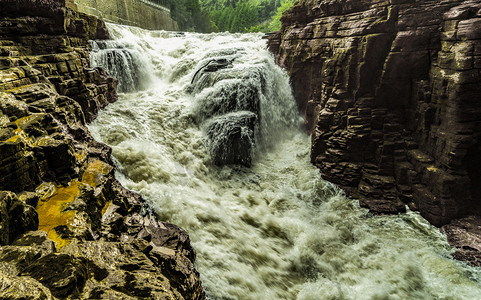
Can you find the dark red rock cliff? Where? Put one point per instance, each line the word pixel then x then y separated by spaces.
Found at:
pixel 391 91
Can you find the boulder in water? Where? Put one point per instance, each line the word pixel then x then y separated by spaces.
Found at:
pixel 231 138
pixel 213 65
pixel 229 96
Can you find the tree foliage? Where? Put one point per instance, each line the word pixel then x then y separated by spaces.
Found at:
pixel 189 15
pixel 227 15
pixel 246 15
pixel 275 23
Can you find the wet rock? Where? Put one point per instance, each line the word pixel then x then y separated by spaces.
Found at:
pixel 465 235
pixel 228 97
pixel 212 65
pixel 54 177
pixel 231 138
pixel 217 64
pixel 228 106
pixel 16 217
pixel 390 89
pixel 64 275
pixel 123 64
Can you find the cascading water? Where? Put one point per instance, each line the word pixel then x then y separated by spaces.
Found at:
pixel 275 230
pixel 126 65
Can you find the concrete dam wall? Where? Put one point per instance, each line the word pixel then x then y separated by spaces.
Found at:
pixel 141 13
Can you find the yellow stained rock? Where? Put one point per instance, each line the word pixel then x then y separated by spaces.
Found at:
pixel 19 132
pixel 81 156
pixel 13 139
pixel 51 212
pixel 95 171
pixel 106 206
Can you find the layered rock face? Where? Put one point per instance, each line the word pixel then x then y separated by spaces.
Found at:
pixel 68 229
pixel 390 91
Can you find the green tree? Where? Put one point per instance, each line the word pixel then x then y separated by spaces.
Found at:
pixel 246 15
pixel 228 15
pixel 275 23
pixel 190 16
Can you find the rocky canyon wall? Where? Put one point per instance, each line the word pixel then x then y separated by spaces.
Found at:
pixel 391 92
pixel 140 13
pixel 67 227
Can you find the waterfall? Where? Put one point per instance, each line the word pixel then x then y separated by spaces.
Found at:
pixel 265 224
pixel 124 64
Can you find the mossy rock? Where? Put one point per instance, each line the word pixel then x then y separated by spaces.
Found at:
pixel 63 274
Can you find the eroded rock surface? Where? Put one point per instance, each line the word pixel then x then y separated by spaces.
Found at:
pixel 390 91
pixel 227 106
pixel 68 229
pixel 231 138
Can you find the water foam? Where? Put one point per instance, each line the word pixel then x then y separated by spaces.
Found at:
pixel 276 230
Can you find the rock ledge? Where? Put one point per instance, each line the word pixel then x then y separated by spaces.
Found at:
pixel 68 229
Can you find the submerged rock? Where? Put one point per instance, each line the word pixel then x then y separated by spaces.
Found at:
pixel 231 138
pixel 228 106
pixel 229 96
pixel 465 235
pixel 213 65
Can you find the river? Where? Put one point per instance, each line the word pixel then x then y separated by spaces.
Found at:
pixel 275 230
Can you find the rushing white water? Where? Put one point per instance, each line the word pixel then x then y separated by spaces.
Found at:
pixel 275 230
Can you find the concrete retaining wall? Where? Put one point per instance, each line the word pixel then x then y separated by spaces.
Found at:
pixel 141 13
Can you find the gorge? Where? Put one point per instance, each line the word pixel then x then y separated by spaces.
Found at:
pixel 268 227
pixel 390 91
pixel 275 230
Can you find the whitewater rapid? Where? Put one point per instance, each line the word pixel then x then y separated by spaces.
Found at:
pixel 276 230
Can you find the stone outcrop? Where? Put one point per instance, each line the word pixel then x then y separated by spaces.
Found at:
pixel 68 229
pixel 390 91
pixel 228 108
pixel 231 138
pixel 141 13
pixel 465 235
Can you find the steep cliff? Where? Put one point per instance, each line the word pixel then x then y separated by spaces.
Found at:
pixel 390 91
pixel 67 227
